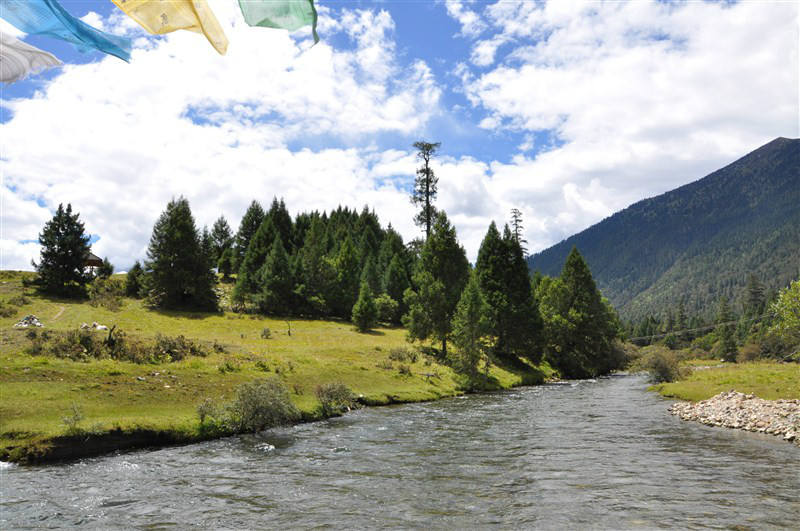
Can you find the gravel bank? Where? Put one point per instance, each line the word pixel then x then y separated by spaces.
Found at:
pixel 745 412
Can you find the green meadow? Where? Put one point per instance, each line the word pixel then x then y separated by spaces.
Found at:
pixel 38 392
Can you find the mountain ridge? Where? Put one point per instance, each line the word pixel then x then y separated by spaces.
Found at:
pixel 699 241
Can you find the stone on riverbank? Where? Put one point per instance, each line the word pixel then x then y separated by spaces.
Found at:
pixel 745 412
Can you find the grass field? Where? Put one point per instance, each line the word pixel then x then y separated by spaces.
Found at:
pixel 37 392
pixel 766 380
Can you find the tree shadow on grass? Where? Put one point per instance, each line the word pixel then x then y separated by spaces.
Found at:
pixel 529 374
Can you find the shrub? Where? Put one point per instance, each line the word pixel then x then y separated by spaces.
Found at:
pixel 266 333
pixel 404 370
pixel 387 308
pixel 230 364
pixel 704 343
pixel 73 418
pixel 386 365
pixel 749 352
pixel 335 398
pixel 663 365
pixel 177 348
pixel 403 354
pixel 261 404
pixel 19 300
pixel 207 410
pixel 106 292
pixel 7 311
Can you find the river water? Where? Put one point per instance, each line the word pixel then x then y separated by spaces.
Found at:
pixel 599 454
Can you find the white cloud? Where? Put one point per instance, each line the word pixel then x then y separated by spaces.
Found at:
pixel 119 140
pixel 642 97
pixel 471 23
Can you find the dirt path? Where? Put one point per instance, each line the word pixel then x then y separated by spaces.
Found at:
pixel 60 311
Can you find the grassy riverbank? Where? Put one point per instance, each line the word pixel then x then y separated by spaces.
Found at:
pixel 128 404
pixel 767 380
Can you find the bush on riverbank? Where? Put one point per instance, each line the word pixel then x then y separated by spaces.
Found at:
pixel 257 406
pixel 335 398
pixel 661 364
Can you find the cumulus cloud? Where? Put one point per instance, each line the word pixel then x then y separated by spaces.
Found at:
pixel 641 96
pixel 606 103
pixel 119 140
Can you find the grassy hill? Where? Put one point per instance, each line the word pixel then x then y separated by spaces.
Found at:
pixel 700 241
pixel 132 404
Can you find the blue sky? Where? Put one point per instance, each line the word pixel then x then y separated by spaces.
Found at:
pixel 569 111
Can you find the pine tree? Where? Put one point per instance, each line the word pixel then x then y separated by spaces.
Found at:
pixel 443 271
pixel 581 325
pixel 425 187
pixel 525 326
pixel 518 229
pixel 396 281
pixel 680 317
pixel 134 280
pixel 178 273
pixel 391 246
pixel 254 258
pixel 347 279
pixel 221 237
pixel 282 222
pixel 106 269
pixel 370 275
pixel 225 263
pixel 755 301
pixel 65 249
pixel 724 329
pixel 315 270
pixel 275 284
pixel 251 221
pixel 471 325
pixel 491 270
pixel 365 313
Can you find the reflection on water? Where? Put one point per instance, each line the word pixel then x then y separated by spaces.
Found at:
pixel 597 454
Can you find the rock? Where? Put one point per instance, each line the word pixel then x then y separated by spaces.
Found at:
pixel 745 412
pixel 28 321
pixel 140 378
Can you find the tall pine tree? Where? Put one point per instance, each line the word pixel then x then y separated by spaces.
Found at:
pixel 221 237
pixel 65 248
pixel 275 283
pixel 471 326
pixel 250 223
pixel 425 186
pixel 178 273
pixel 442 273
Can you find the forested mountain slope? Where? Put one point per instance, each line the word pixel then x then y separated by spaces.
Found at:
pixel 700 241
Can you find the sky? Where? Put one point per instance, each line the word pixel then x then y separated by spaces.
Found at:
pixel 567 110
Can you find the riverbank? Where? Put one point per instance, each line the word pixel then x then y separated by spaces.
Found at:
pixel 53 408
pixel 767 380
pixel 780 418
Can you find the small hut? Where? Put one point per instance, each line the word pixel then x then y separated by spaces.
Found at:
pixel 93 261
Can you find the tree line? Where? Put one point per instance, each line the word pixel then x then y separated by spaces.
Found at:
pixel 344 264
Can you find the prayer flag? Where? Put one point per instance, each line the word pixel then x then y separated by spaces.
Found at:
pixel 165 16
pixel 47 17
pixel 18 59
pixel 281 14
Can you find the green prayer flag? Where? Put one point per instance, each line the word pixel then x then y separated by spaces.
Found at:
pixel 281 14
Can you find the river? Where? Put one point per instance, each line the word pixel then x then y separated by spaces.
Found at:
pixel 599 454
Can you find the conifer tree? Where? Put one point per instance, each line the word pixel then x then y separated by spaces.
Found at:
pixel 443 271
pixel 221 238
pixel 396 281
pixel 517 228
pixel 225 263
pixel 425 187
pixel 65 249
pixel 755 301
pixel 347 279
pixel 134 280
pixel 581 325
pixel 370 275
pixel 106 269
pixel 680 317
pixel 391 246
pixel 725 330
pixel 275 284
pixel 365 313
pixel 254 258
pixel 471 325
pixel 178 275
pixel 250 223
pixel 525 327
pixel 491 269
pixel 280 219
pixel 316 273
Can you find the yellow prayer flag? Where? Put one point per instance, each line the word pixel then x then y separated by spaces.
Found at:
pixel 165 16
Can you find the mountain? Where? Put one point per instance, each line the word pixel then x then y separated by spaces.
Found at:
pixel 697 242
